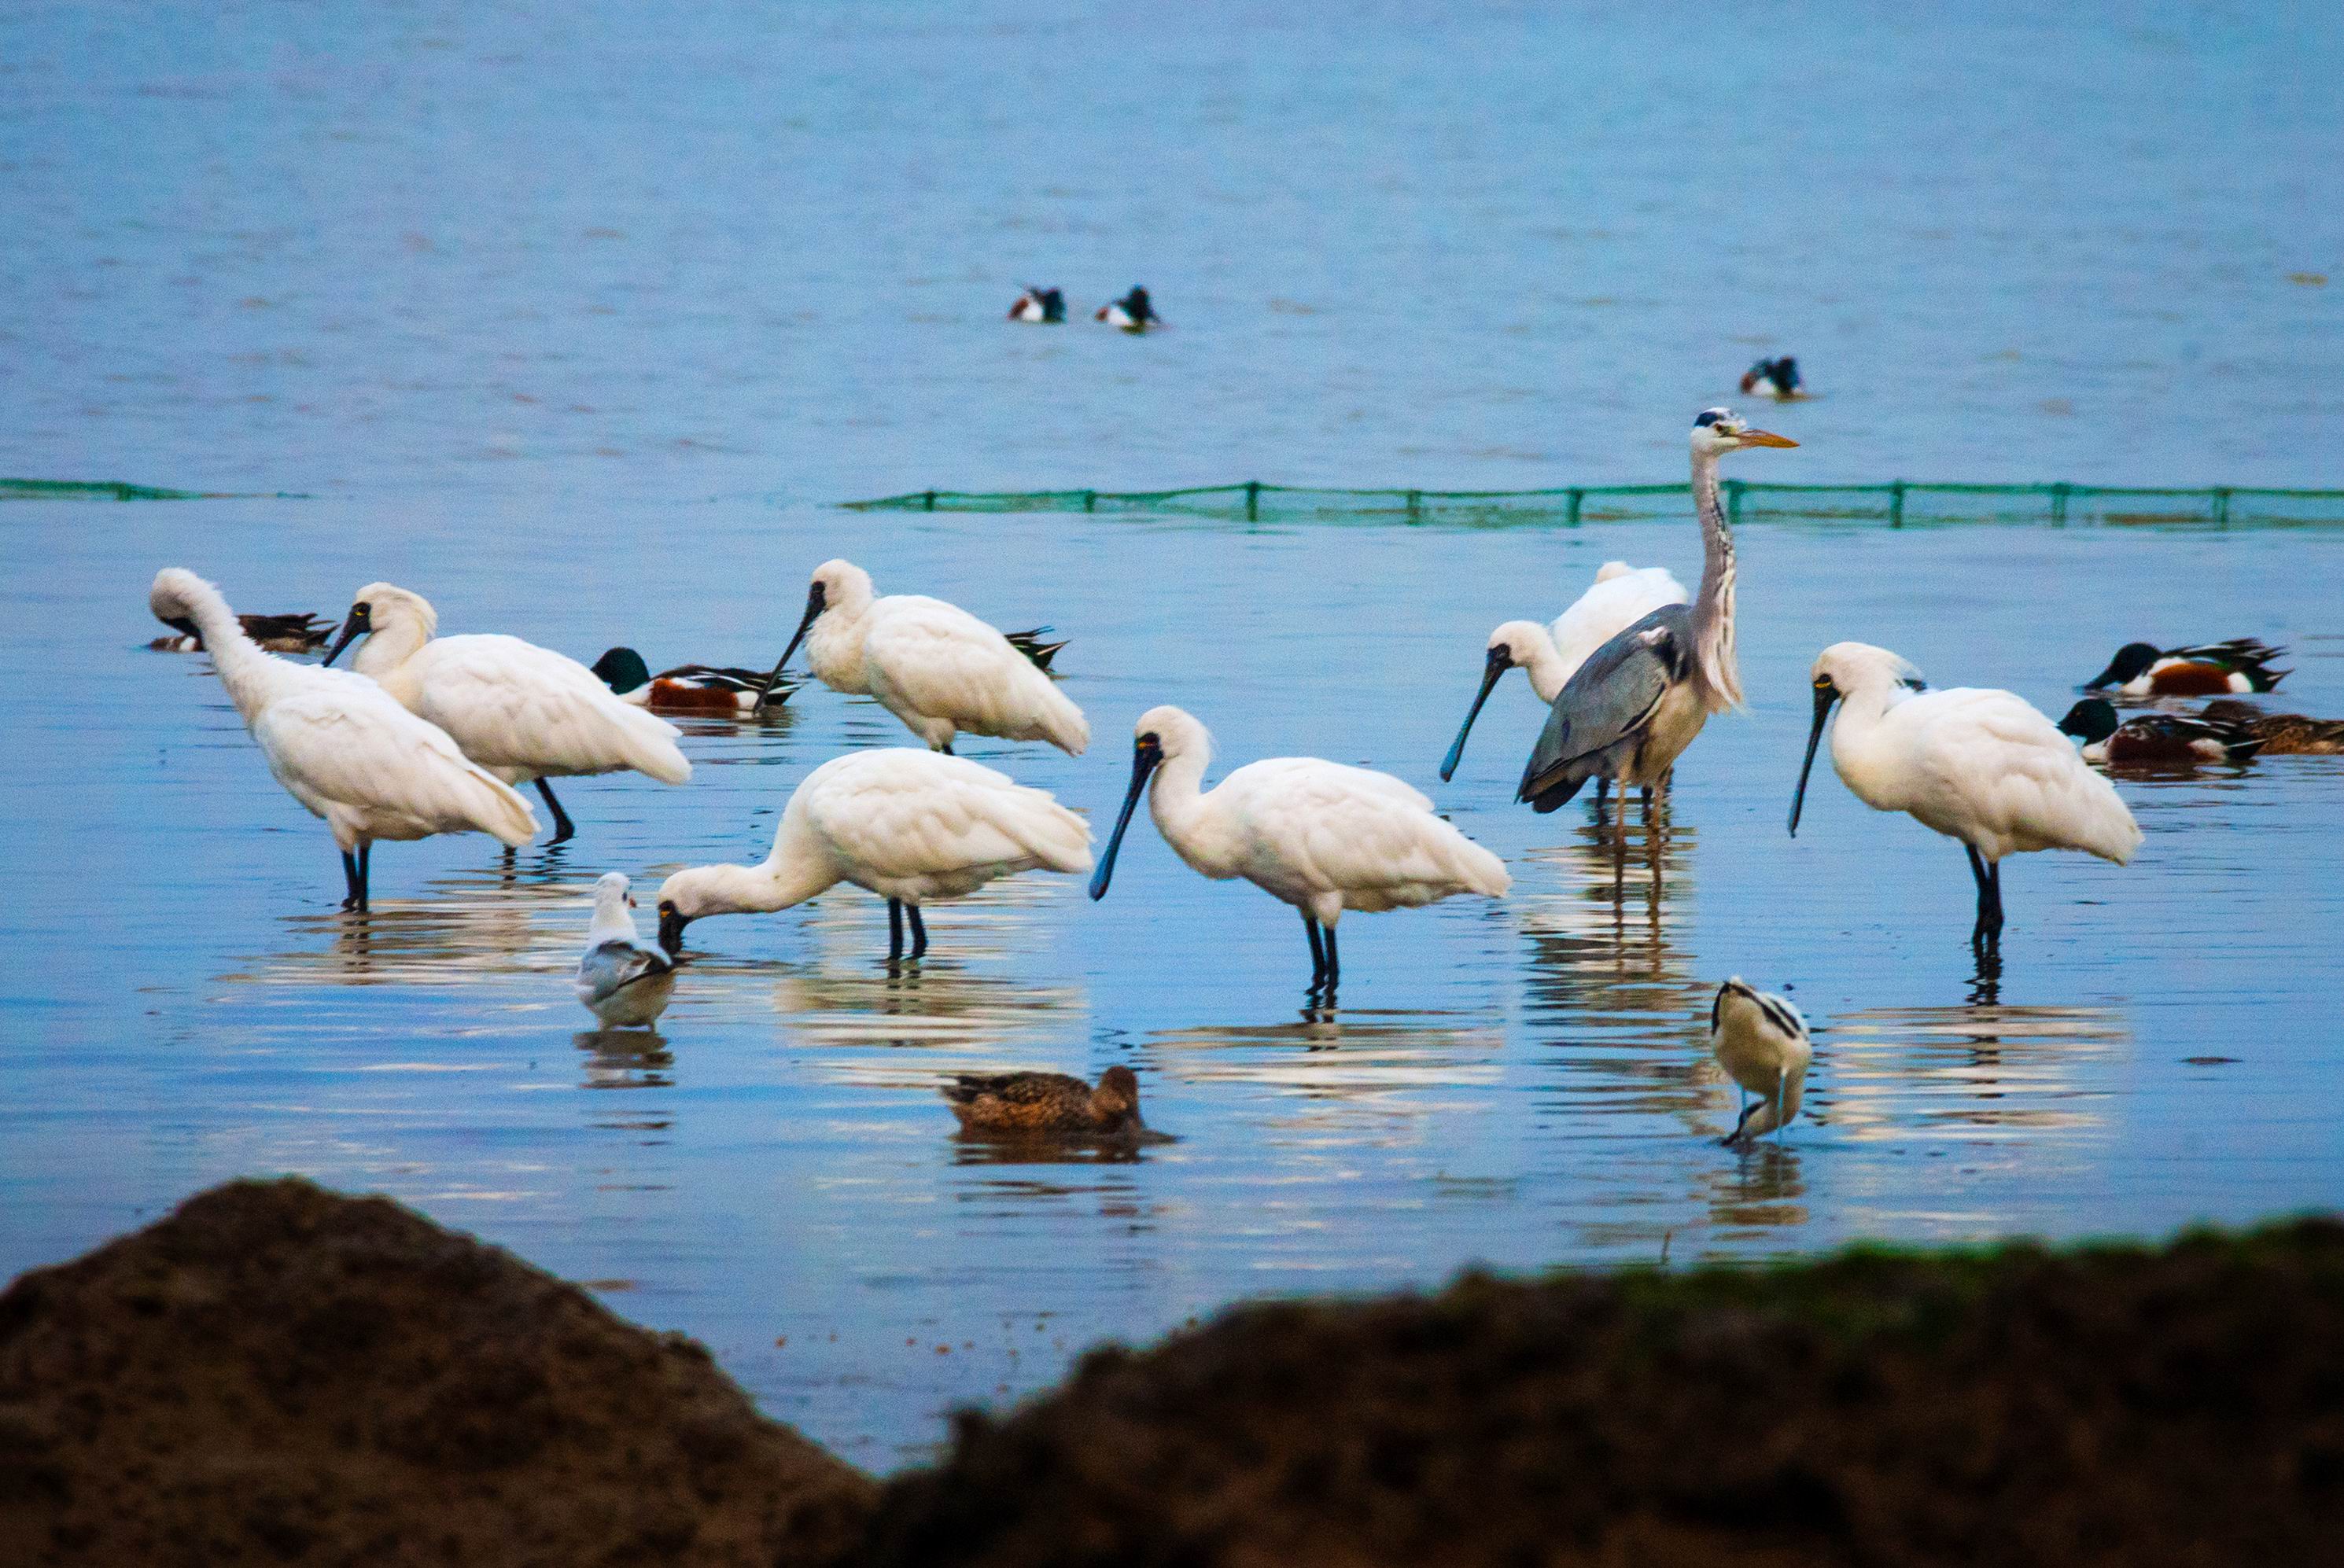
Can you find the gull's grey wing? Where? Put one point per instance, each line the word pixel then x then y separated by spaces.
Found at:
pixel 1607 702
pixel 612 966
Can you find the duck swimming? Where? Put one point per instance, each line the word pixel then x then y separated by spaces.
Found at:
pixel 269 633
pixel 1134 312
pixel 2281 734
pixel 1023 1104
pixel 1039 306
pixel 686 689
pixel 2197 669
pixel 2155 737
pixel 1775 378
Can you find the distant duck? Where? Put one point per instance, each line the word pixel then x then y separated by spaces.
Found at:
pixel 686 689
pixel 1026 1103
pixel 1039 306
pixel 2199 670
pixel 1777 378
pixel 269 633
pixel 2282 734
pixel 2156 737
pixel 1031 644
pixel 1762 1041
pixel 1134 312
pixel 623 979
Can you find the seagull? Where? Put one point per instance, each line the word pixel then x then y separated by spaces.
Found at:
pixel 1761 1041
pixel 2200 670
pixel 1972 763
pixel 1014 1103
pixel 913 827
pixel 342 746
pixel 933 665
pixel 521 711
pixel 1621 595
pixel 621 978
pixel 1317 835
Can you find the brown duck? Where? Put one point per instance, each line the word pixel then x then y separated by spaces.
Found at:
pixel 274 633
pixel 2281 733
pixel 1046 1102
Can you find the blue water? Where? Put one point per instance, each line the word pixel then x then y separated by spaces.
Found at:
pixel 576 319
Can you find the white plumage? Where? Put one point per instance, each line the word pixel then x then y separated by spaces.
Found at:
pixel 931 664
pixel 1762 1042
pixel 1975 764
pixel 1317 835
pixel 521 711
pixel 914 827
pixel 342 746
pixel 621 978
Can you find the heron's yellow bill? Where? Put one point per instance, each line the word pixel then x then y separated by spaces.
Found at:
pixel 1763 438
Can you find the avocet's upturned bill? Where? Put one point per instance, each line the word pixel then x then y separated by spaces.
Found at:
pixel 342 746
pixel 1973 763
pixel 1317 835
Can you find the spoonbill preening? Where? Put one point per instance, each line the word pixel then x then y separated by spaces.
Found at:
pixel 1762 1041
pixel 933 665
pixel 521 711
pixel 1621 595
pixel 2167 739
pixel 1317 835
pixel 1971 762
pixel 2201 669
pixel 1631 710
pixel 1026 1104
pixel 913 827
pixel 342 746
pixel 621 978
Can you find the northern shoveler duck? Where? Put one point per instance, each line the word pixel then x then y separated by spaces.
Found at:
pixel 621 978
pixel 2282 734
pixel 2200 670
pixel 269 633
pixel 1017 1103
pixel 2155 737
pixel 1033 646
pixel 1039 306
pixel 686 689
pixel 1133 313
pixel 1776 378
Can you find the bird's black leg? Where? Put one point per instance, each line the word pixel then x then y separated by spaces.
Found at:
pixel 919 931
pixel 1988 920
pixel 563 828
pixel 1334 964
pixel 1994 914
pixel 1603 788
pixel 351 898
pixel 894 929
pixel 1318 952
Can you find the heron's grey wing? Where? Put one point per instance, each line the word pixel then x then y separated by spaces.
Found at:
pixel 1606 700
pixel 612 966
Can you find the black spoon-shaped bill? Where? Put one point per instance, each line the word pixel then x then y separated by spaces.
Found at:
pixel 1825 694
pixel 1500 662
pixel 805 623
pixel 361 622
pixel 1144 757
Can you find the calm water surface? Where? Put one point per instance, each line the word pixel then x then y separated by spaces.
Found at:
pixel 576 323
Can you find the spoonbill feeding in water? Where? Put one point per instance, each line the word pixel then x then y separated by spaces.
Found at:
pixel 933 665
pixel 521 711
pixel 2202 669
pixel 342 746
pixel 1623 595
pixel 621 978
pixel 1971 762
pixel 913 827
pixel 1317 835
pixel 1631 710
pixel 2154 738
pixel 1761 1041
pixel 1012 1104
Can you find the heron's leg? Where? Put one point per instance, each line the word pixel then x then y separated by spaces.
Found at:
pixel 894 929
pixel 352 896
pixel 1603 788
pixel 1318 952
pixel 563 828
pixel 919 929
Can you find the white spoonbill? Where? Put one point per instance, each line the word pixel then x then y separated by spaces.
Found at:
pixel 1317 835
pixel 1623 595
pixel 1973 763
pixel 341 746
pixel 521 711
pixel 621 978
pixel 913 827
pixel 1631 710
pixel 1761 1041
pixel 931 664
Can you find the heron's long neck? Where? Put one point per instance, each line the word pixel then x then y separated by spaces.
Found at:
pixel 1712 611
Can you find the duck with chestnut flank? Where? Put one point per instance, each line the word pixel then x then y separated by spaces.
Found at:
pixel 2155 739
pixel 2199 670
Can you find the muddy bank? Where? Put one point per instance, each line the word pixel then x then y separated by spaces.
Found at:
pixel 275 1374
pixel 2114 1405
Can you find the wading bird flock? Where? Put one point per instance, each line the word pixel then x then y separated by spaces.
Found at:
pixel 430 734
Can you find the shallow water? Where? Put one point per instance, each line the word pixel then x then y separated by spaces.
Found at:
pixel 577 329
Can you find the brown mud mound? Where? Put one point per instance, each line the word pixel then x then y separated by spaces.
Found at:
pixel 2111 1405
pixel 278 1374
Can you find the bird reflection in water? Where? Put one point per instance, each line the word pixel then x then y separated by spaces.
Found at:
pixel 625 1058
pixel 1980 1069
pixel 467 926
pixel 1760 1190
